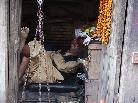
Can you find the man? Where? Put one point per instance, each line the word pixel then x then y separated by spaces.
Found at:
pixel 40 66
pixel 68 62
pixel 46 72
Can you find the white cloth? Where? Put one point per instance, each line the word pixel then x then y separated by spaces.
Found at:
pixel 79 32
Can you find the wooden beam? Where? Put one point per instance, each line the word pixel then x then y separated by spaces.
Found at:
pixel 14 41
pixel 3 50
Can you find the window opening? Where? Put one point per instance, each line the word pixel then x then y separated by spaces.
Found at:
pixel 78 34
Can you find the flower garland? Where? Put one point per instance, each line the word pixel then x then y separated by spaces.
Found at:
pixel 102 31
pixel 104 20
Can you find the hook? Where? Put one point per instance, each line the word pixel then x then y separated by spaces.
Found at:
pixel 40 2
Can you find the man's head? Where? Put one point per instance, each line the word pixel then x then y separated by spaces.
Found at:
pixel 76 46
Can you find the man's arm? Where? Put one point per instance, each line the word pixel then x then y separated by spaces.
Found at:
pixel 25 61
pixel 23 67
pixel 64 66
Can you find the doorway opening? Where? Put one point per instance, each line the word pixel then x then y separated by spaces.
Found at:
pixel 62 21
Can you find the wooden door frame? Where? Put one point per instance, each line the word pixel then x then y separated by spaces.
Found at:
pixel 13 41
pixel 9 46
pixel 13 49
pixel 3 50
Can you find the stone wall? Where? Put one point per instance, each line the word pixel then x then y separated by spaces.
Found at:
pixel 119 80
pixel 128 92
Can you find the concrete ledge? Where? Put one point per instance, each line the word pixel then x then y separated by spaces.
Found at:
pixel 95 47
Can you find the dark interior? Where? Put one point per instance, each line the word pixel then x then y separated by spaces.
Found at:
pixel 61 17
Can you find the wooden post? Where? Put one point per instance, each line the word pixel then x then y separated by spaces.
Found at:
pixel 3 50
pixel 14 41
pixel 95 60
pixel 92 85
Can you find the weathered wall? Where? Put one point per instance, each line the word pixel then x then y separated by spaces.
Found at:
pixel 129 71
pixel 3 50
pixel 111 55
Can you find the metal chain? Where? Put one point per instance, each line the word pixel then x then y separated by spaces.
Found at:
pixel 39 29
pixel 40 36
pixel 25 82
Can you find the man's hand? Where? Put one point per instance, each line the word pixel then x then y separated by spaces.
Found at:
pixel 24 35
pixel 24 32
pixel 84 62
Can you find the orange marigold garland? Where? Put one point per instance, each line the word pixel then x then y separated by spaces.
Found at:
pixel 104 20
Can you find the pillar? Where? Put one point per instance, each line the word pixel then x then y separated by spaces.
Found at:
pixel 3 50
pixel 92 85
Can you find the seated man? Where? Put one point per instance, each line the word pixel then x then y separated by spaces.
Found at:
pixel 68 62
pixel 46 72
pixel 40 67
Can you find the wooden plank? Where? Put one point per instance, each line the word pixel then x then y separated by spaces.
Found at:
pixel 95 61
pixel 14 41
pixel 94 68
pixel 3 50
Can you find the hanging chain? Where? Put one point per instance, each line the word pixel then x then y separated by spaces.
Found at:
pixel 40 36
pixel 39 29
pixel 25 82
